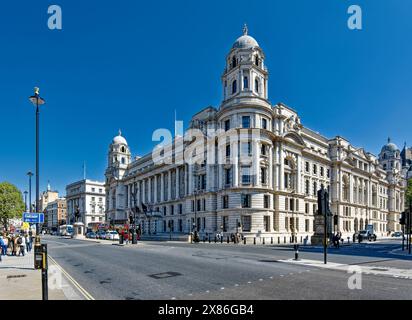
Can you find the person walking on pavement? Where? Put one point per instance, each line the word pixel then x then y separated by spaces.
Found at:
pixel 12 245
pixel 27 240
pixel 22 244
pixel 126 237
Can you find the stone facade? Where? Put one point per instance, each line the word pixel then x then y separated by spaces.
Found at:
pixel 268 188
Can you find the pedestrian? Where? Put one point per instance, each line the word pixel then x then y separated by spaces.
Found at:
pixel 126 236
pixel 5 244
pixel 27 240
pixel 22 244
pixel 11 245
pixel 16 245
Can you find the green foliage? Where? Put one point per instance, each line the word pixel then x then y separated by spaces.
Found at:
pixel 11 203
pixel 408 193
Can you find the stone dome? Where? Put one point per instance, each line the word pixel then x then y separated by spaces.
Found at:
pixel 119 139
pixel 245 41
pixel 390 147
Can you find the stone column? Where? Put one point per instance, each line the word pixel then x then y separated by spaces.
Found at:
pixel 270 170
pixel 162 183
pixel 156 200
pixel 177 183
pixel 169 185
pixel 256 162
pixel 281 169
pixel 190 173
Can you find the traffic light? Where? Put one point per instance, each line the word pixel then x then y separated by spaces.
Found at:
pixel 402 219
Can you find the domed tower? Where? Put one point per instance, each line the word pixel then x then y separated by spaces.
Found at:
pixel 119 156
pixel 389 157
pixel 245 74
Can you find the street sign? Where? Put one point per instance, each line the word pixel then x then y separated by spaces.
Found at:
pixel 33 217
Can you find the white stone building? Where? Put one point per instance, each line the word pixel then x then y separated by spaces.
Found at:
pixel 272 192
pixel 90 198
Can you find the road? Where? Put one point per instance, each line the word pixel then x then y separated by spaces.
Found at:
pixel 173 270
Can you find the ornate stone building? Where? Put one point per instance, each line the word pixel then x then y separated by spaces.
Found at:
pixel 265 183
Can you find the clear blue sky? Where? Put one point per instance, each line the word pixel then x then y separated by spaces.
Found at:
pixel 130 64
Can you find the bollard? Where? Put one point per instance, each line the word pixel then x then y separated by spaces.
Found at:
pixel 348 240
pixel 244 240
pixel 227 239
pixel 221 239
pixel 254 240
pixel 209 238
pixel 296 247
pixel 263 241
pixel 204 239
pixel 271 240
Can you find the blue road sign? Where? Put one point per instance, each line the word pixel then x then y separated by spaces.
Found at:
pixel 33 217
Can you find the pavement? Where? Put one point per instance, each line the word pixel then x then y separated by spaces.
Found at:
pixel 22 282
pixel 177 270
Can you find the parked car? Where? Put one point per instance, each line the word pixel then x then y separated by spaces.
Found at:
pixel 112 235
pixel 101 234
pixel 367 235
pixel 91 235
pixel 397 234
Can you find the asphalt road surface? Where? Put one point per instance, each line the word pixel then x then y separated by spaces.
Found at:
pixel 173 270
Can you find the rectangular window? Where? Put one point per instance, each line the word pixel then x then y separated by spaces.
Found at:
pixel 198 205
pixel 263 175
pixel 266 201
pixel 322 171
pixel 228 150
pixel 266 220
pixel 203 223
pixel 172 209
pixel 93 189
pixel 164 211
pixel 228 176
pixel 264 124
pixel 227 125
pixel 225 202
pixel 307 166
pixel 245 200
pixel 180 208
pixel 246 223
pixel 263 150
pixel 328 173
pixel 246 122
pixel 245 175
pixel 315 169
pixel 100 190
pixel 307 225
pixel 306 207
pixel 225 223
pixel 286 204
pixel 204 204
pixel 292 205
pixel 246 148
pixel 193 205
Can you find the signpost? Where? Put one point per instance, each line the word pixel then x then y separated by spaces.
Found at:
pixel 33 217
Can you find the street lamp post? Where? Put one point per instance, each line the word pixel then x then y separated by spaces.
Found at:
pixel 30 174
pixel 37 101
pixel 25 201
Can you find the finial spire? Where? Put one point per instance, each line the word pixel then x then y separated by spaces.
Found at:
pixel 245 29
pixel 36 90
pixel 389 139
pixel 120 132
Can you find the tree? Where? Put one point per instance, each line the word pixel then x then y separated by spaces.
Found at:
pixel 11 203
pixel 408 192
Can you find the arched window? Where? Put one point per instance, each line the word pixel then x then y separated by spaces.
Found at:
pixel 234 63
pixel 257 85
pixel 245 82
pixel 234 86
pixel 123 160
pixel 257 60
pixel 123 149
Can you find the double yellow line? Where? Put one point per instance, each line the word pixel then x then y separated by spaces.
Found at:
pixel 87 295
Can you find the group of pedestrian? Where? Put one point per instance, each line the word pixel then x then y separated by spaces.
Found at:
pixel 15 244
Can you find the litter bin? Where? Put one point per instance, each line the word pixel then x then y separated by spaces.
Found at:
pixel 134 238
